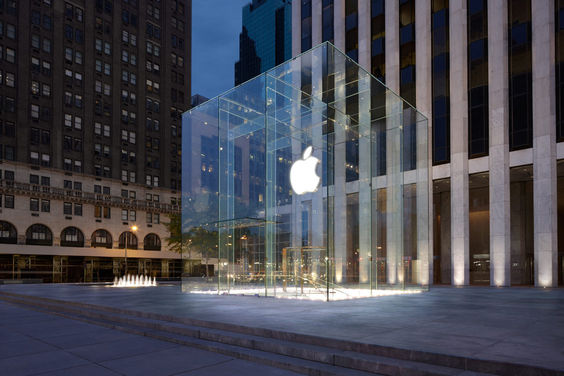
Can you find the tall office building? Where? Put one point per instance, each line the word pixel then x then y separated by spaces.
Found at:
pixel 489 77
pixel 91 94
pixel 266 38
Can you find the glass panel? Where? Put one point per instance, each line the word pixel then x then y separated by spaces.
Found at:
pixel 269 198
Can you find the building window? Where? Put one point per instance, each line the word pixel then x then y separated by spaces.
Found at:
pixel 152 242
pixel 67 208
pixel 34 204
pixel 8 233
pixel 559 22
pixel 101 238
pixel 407 50
pixel 378 33
pixel 128 237
pixel 441 82
pixel 306 25
pixel 72 237
pixel 45 206
pixel 478 132
pixel 520 75
pixel 9 201
pixel 39 234
pixel 351 29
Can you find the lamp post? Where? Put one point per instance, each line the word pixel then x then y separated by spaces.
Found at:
pixel 133 230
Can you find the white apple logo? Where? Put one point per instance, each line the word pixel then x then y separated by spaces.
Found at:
pixel 303 176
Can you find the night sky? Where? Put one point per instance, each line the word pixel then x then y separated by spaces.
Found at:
pixel 216 25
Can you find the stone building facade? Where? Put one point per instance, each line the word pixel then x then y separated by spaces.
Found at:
pixel 488 76
pixel 91 98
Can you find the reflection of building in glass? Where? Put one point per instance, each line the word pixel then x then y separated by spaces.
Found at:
pixel 326 240
pixel 266 38
pixel 490 78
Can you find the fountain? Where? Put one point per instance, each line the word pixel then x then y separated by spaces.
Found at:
pixel 134 281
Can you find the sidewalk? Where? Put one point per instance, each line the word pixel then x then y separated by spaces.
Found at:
pixel 521 325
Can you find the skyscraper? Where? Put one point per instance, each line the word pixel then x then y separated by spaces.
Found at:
pixel 266 38
pixel 91 93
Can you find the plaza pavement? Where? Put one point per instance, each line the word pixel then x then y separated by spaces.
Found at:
pixel 514 325
pixel 38 343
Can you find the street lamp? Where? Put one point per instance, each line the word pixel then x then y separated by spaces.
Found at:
pixel 133 230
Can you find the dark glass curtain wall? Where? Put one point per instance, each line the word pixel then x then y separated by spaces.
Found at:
pixel 441 82
pixel 478 140
pixel 520 75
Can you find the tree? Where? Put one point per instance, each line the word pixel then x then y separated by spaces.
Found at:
pixel 175 240
pixel 205 241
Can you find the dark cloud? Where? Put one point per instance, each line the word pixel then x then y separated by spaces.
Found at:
pixel 216 25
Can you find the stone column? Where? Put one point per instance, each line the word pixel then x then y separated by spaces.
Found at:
pixel 393 121
pixel 339 152
pixel 365 174
pixel 459 141
pixel 500 256
pixel 339 24
pixel 364 40
pixel 296 29
pixel 318 235
pixel 544 145
pixel 316 22
pixel 423 98
pixel 394 190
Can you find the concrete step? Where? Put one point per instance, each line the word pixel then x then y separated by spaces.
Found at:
pixel 322 351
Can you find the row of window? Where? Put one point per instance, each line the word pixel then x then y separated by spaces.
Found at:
pixel 126 57
pixel 75 34
pixel 72 55
pixel 106 68
pixel 128 38
pixel 73 12
pixel 40 88
pixel 39 234
pixel 39 136
pixel 75 120
pixel 38 66
pixel 36 43
pixel 72 143
pixel 45 160
pixel 71 99
pixel 36 18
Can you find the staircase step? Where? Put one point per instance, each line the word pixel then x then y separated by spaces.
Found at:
pixel 240 341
